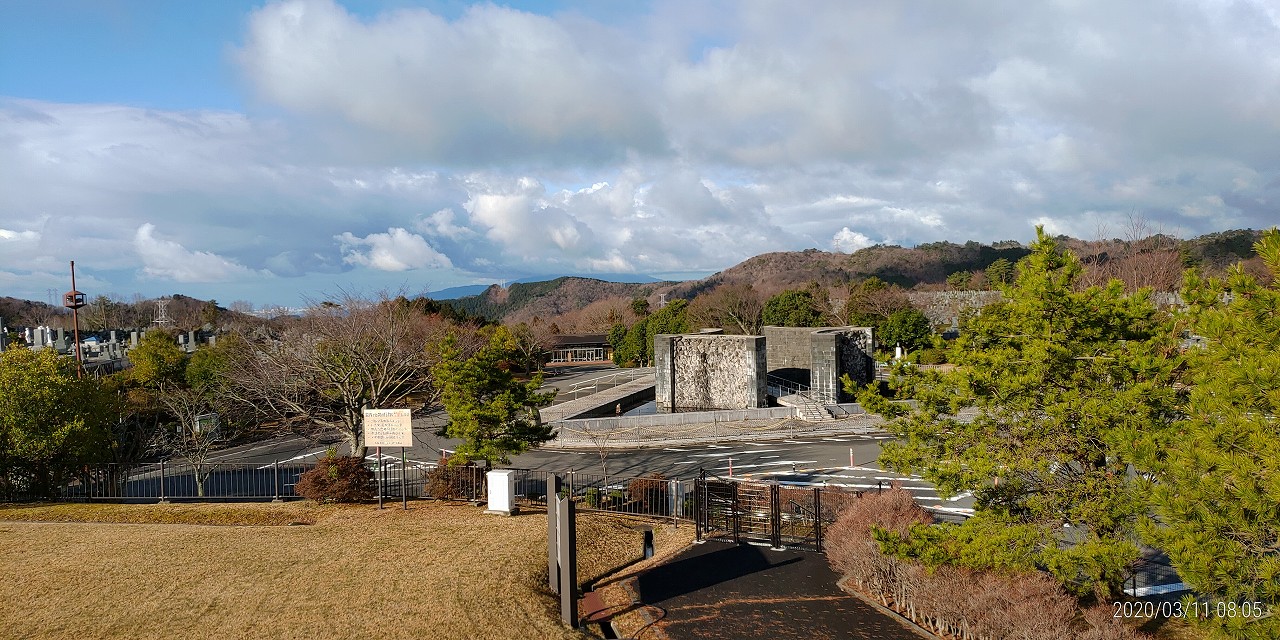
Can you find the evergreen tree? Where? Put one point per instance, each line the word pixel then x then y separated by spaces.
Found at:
pixel 999 272
pixel 793 308
pixel 50 421
pixel 908 327
pixel 1217 492
pixel 157 361
pixel 1060 383
pixel 494 414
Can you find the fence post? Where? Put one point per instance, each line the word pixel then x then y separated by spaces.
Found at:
pixel 775 517
pixel 276 466
pixel 698 486
pixel 553 535
pixel 817 518
pixel 677 499
pixel 162 496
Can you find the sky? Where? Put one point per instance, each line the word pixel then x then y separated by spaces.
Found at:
pixel 292 150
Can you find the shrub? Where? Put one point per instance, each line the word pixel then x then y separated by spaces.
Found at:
pixel 932 356
pixel 592 497
pixel 454 483
pixel 650 492
pixel 337 479
pixel 954 601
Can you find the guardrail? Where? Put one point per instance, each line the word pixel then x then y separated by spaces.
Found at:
pixel 595 385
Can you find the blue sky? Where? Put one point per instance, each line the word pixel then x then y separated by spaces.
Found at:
pixel 277 151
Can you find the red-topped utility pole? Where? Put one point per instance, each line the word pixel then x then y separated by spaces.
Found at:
pixel 73 300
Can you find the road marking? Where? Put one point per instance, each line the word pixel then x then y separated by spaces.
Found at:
pixel 767 457
pixel 836 439
pixel 856 485
pixel 675 449
pixel 713 455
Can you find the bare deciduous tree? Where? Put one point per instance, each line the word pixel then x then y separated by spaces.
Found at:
pixel 733 307
pixel 199 430
pixel 320 373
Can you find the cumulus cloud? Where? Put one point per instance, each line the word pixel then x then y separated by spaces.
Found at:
pixel 395 250
pixel 171 261
pixel 848 241
pixel 495 83
pixel 500 143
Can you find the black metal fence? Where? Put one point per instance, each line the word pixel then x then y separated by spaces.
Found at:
pixel 396 479
pixel 766 512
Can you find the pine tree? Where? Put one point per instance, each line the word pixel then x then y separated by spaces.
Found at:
pixel 494 414
pixel 1060 382
pixel 1217 492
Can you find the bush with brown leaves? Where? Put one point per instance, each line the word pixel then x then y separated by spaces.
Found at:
pixel 337 479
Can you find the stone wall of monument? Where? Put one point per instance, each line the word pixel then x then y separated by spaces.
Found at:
pixel 701 372
pixel 946 307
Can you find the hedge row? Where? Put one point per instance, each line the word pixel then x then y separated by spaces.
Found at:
pixel 963 603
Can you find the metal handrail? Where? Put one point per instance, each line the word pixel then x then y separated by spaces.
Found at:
pixel 609 381
pixel 782 386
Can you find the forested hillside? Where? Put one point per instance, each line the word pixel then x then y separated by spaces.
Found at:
pixel 1154 260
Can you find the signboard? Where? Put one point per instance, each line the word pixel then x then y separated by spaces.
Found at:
pixel 387 428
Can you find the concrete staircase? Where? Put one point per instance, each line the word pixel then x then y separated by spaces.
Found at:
pixel 807 409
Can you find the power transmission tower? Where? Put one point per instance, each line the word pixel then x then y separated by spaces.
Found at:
pixel 162 313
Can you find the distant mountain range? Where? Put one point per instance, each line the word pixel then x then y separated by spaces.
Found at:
pixel 453 293
pixel 923 266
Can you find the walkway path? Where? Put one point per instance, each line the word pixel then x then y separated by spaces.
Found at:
pixel 609 396
pixel 741 592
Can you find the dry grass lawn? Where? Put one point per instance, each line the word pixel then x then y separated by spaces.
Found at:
pixel 239 571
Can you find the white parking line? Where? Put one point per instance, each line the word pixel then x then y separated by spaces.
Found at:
pixel 675 449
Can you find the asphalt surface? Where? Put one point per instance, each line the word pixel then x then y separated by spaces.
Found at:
pixel 742 592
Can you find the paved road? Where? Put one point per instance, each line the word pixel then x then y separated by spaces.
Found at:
pixel 841 461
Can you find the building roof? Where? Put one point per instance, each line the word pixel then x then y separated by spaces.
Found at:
pixel 582 340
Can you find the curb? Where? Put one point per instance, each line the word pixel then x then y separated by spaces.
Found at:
pixel 907 623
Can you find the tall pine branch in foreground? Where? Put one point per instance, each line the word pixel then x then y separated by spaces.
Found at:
pixel 1060 382
pixel 493 413
pixel 1217 493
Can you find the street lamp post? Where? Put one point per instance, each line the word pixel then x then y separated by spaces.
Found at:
pixel 73 300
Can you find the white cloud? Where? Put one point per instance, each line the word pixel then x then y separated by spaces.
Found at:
pixel 495 83
pixel 395 250
pixel 670 139
pixel 8 235
pixel 171 261
pixel 849 241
